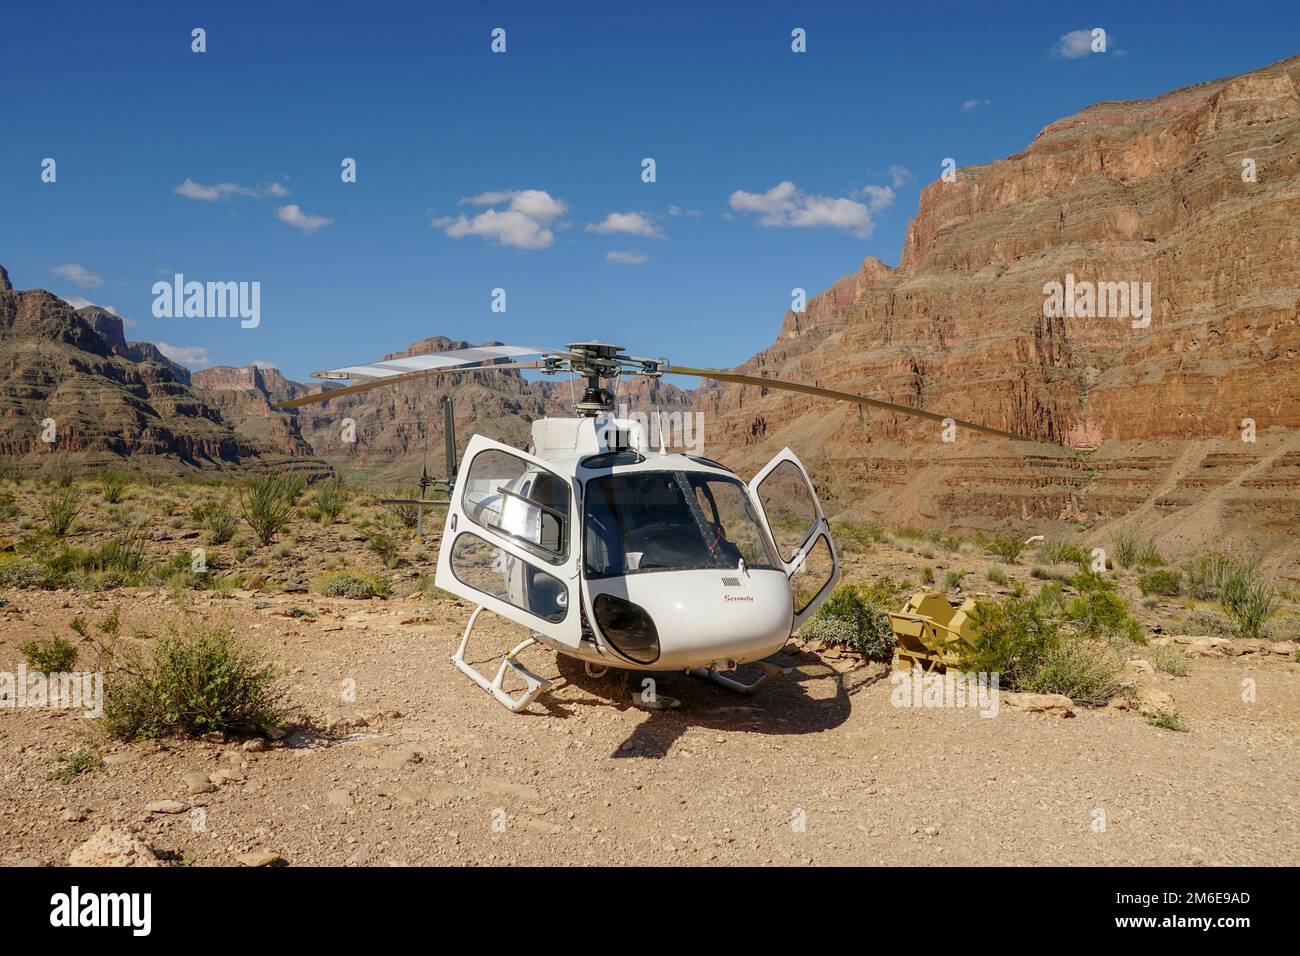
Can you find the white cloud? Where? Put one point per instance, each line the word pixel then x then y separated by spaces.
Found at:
pixel 878 197
pixel 676 210
pixel 784 205
pixel 970 105
pixel 627 223
pixel 294 216
pixel 188 355
pixel 263 363
pixel 275 190
pixel 78 275
pixel 523 223
pixel 900 175
pixel 626 258
pixel 192 190
pixel 1074 45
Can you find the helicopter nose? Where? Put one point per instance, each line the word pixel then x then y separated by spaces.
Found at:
pixel 705 617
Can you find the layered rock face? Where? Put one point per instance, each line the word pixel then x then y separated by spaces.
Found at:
pixel 1151 418
pixel 245 396
pixel 108 399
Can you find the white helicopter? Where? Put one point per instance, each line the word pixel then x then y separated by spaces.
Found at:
pixel 616 553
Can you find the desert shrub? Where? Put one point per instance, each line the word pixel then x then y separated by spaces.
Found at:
pixel 1134 550
pixel 330 500
pixel 1168 721
pixel 217 521
pixel 952 580
pixel 266 503
pixel 349 584
pixel 383 545
pixel 1254 608
pixel 113 486
pixel 407 515
pixel 18 572
pixel 1005 546
pixel 1056 551
pixel 1024 641
pixel 1104 615
pixel 1168 660
pixel 8 504
pixel 1204 576
pixel 61 506
pixel 1086 582
pixel 848 618
pixel 1164 581
pixel 927 575
pixel 997 576
pixel 1208 621
pixel 852 537
pixel 196 683
pixel 883 592
pixel 53 656
pixel 123 555
pixel 1015 636
pixel 1084 672
pixel 73 765
pixel 1050 574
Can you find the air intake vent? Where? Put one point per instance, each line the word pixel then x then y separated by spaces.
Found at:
pixel 731 582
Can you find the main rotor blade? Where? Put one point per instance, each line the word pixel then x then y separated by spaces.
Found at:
pixel 367 385
pixel 740 379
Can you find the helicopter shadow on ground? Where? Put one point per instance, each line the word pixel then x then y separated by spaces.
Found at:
pixel 812 698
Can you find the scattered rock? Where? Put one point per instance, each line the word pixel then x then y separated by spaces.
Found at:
pixel 339 798
pixel 197 782
pixel 1055 704
pixel 1150 702
pixel 254 745
pixel 260 858
pixel 1139 666
pixel 167 806
pixel 398 758
pixel 226 775
pixel 74 816
pixel 113 847
pixel 1285 648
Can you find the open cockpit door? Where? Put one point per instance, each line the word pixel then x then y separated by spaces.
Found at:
pixel 788 507
pixel 509 543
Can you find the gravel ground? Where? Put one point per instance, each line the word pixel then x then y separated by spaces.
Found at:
pixel 424 768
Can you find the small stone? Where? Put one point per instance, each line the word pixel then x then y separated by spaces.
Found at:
pixel 398 758
pixel 254 745
pixel 167 806
pixel 1056 704
pixel 339 798
pixel 196 782
pixel 931 831
pixel 226 775
pixel 259 858
pixel 74 816
pixel 113 847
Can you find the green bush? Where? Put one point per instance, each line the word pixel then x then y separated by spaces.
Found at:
pixel 331 499
pixel 1055 551
pixel 1104 615
pixel 61 506
pixel 267 504
pixel 217 520
pixel 55 656
pixel 952 580
pixel 849 618
pixel 16 572
pixel 1023 639
pixel 1168 660
pixel 383 545
pixel 1254 608
pixel 997 576
pixel 1006 546
pixel 113 484
pixel 927 575
pixel 1163 581
pixel 1086 582
pixel 1086 673
pixel 196 683
pixel 1132 549
pixel 1239 586
pixel 348 584
pixel 73 765
pixel 1168 721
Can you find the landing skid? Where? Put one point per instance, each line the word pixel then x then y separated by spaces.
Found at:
pixel 770 673
pixel 536 685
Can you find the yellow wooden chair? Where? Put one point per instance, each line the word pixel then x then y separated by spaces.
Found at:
pixel 930 632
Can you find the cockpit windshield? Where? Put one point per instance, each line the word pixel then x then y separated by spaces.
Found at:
pixel 670 521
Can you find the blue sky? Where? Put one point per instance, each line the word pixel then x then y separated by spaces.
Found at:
pixel 478 170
